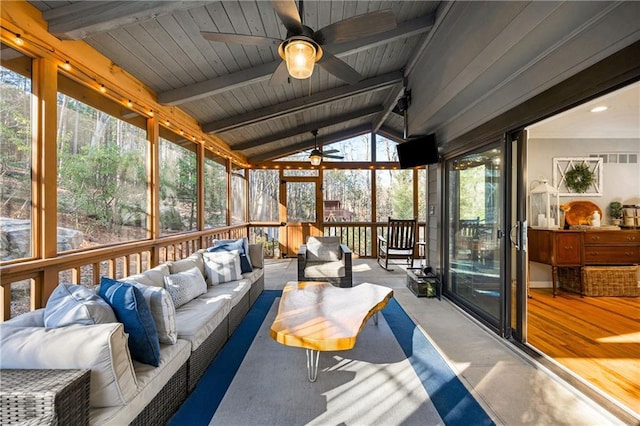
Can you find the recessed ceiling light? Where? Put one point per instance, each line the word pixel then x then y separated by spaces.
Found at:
pixel 599 108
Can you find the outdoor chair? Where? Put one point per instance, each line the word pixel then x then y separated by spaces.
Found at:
pixel 325 259
pixel 398 242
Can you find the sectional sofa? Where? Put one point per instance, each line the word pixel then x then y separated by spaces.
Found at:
pixel 122 389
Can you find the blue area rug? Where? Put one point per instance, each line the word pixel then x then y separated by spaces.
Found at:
pixel 454 404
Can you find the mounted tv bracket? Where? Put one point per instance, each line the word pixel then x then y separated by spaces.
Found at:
pixel 403 106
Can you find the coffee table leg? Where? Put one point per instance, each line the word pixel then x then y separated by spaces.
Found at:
pixel 312 364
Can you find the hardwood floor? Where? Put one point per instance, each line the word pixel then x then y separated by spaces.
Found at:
pixel 598 338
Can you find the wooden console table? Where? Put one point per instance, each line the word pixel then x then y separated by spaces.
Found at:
pixel 576 248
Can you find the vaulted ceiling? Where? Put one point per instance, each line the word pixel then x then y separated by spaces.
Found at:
pixel 464 62
pixel 226 86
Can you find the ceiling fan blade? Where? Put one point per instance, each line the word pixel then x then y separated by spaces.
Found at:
pixel 331 151
pixel 280 75
pixel 356 27
pixel 338 157
pixel 241 39
pixel 288 13
pixel 339 68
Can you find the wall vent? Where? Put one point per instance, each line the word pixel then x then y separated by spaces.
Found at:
pixel 617 157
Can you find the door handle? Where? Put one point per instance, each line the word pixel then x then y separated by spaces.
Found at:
pixel 523 236
pixel 515 243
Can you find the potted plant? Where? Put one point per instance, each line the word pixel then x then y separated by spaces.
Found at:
pixel 615 212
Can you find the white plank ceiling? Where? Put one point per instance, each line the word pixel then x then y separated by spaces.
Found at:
pixel 464 62
pixel 225 86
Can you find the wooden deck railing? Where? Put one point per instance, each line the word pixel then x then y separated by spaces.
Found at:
pixel 33 281
pixel 26 285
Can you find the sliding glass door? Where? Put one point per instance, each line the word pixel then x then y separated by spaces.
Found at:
pixel 474 216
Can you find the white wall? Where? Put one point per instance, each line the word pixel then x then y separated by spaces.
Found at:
pixel 621 182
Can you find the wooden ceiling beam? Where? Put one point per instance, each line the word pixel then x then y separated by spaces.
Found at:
pixel 390 133
pixel 392 100
pixel 308 128
pixel 295 105
pixel 322 140
pixel 79 20
pixel 263 72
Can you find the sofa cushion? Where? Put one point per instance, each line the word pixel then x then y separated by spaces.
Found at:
pixel 253 276
pixel 28 319
pixel 133 312
pixel 101 348
pixel 240 245
pixel 194 260
pixel 233 291
pixel 150 381
pixel 162 309
pixel 197 319
pixel 325 249
pixel 324 269
pixel 154 276
pixel 76 304
pixel 256 254
pixel 222 266
pixel 185 286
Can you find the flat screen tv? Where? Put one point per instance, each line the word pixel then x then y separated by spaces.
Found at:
pixel 418 151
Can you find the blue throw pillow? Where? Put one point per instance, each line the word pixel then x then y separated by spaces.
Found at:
pixel 132 311
pixel 241 245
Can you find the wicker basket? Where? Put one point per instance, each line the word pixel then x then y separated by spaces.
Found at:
pixel 569 279
pixel 610 280
pixel 601 280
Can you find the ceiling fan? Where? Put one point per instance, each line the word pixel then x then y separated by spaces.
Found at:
pixel 302 47
pixel 316 155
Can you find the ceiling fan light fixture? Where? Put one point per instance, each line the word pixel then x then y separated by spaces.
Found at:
pixel 315 157
pixel 300 56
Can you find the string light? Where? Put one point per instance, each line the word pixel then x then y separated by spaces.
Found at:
pixel 66 66
pixel 103 89
pixel 18 40
pixel 150 113
pixel 129 103
pixel 168 123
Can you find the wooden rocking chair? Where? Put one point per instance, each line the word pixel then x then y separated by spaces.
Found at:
pixel 398 242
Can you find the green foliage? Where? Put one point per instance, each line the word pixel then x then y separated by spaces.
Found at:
pixel 97 181
pixel 170 219
pixel 472 193
pixel 580 178
pixel 615 210
pixel 402 200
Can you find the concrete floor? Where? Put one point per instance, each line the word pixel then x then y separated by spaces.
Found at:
pixel 512 387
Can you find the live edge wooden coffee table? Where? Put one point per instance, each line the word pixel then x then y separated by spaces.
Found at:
pixel 320 317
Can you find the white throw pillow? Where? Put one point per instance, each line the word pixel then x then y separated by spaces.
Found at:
pixel 324 249
pixel 222 266
pixel 185 286
pixel 75 304
pixel 162 309
pixel 187 263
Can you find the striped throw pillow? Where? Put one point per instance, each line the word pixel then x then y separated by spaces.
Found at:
pixel 222 266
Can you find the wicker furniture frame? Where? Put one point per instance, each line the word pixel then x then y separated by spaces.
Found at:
pixel 166 402
pixel 207 351
pixel 345 254
pixel 62 397
pixel 38 397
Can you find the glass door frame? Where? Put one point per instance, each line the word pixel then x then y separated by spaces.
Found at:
pixel 296 233
pixel 516 208
pixel 498 324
